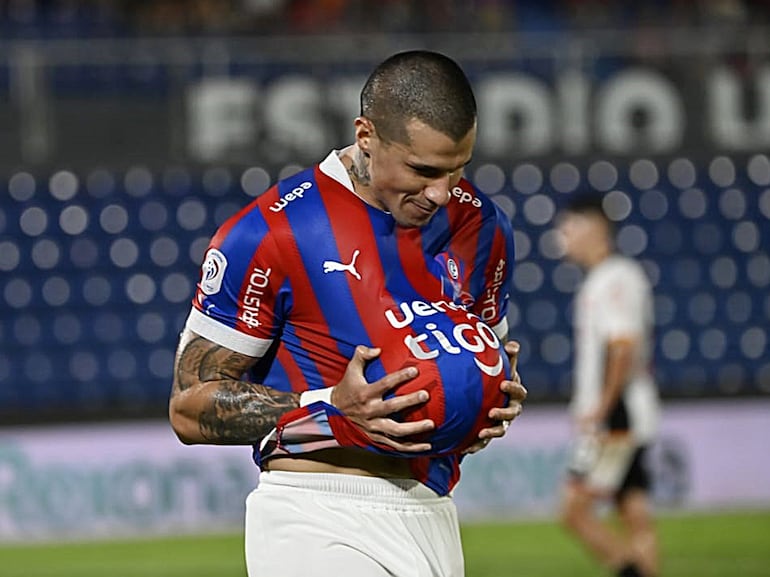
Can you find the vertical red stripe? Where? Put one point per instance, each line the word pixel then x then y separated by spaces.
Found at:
pixel 317 343
pixel 264 253
pixel 352 231
pixel 316 340
pixel 412 258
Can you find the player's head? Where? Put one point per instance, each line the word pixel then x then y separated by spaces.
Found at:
pixel 585 230
pixel 418 85
pixel 417 129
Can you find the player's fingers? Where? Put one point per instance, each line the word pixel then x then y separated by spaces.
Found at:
pixel 361 356
pixel 476 447
pixel 403 446
pixel 394 429
pixel 514 389
pixel 364 354
pixel 400 402
pixel 512 349
pixel 392 380
pixel 508 413
pixel 493 432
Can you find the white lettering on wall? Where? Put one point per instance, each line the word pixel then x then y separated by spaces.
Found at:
pixel 637 110
pixel 639 91
pixel 510 99
pixel 729 121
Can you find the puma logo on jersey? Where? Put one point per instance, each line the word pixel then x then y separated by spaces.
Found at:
pixel 334 266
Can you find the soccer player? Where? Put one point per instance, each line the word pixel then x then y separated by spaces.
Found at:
pixel 378 271
pixel 615 403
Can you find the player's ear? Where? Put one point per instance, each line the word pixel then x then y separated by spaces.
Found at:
pixel 365 132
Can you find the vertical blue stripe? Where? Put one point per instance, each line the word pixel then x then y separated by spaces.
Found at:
pixel 314 238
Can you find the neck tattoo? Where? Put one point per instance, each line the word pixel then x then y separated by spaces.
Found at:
pixel 359 170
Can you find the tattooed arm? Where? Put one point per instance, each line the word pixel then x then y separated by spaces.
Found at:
pixel 211 404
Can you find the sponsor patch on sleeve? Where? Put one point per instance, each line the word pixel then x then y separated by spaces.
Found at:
pixel 213 271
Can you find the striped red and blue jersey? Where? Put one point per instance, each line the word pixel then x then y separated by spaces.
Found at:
pixel 308 271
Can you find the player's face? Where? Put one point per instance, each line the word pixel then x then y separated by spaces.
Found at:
pixel 579 234
pixel 413 180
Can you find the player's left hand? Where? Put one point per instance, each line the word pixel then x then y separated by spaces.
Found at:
pixel 504 415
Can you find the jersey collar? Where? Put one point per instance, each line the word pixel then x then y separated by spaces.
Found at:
pixel 332 167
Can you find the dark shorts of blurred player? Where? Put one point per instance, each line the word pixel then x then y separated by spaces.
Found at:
pixel 609 465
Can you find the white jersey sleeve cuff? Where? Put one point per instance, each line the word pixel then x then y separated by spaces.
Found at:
pixel 225 336
pixel 310 397
pixel 501 329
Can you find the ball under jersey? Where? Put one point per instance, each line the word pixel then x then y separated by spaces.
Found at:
pixel 615 301
pixel 308 271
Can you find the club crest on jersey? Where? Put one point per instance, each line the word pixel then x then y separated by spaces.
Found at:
pixel 213 271
pixel 451 274
pixel 452 268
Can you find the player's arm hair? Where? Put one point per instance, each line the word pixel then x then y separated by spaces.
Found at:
pixel 210 403
pixel 619 361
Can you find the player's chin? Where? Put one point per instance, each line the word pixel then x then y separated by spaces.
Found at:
pixel 414 216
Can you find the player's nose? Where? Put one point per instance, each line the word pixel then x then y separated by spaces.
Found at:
pixel 437 191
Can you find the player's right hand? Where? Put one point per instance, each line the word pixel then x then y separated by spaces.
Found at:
pixel 363 403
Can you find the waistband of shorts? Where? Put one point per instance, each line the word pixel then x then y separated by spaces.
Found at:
pixel 376 489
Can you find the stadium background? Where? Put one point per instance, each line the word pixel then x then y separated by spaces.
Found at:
pixel 129 130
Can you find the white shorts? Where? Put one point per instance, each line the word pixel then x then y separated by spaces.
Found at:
pixel 602 463
pixel 329 525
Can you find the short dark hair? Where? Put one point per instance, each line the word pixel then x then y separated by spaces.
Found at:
pixel 422 85
pixel 586 203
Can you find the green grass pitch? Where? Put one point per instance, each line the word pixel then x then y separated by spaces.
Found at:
pixel 713 545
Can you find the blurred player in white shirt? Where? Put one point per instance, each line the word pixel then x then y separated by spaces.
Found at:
pixel 615 405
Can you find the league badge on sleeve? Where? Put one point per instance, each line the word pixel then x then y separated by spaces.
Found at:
pixel 213 271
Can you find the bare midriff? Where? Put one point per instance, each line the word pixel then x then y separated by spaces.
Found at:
pixel 344 462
